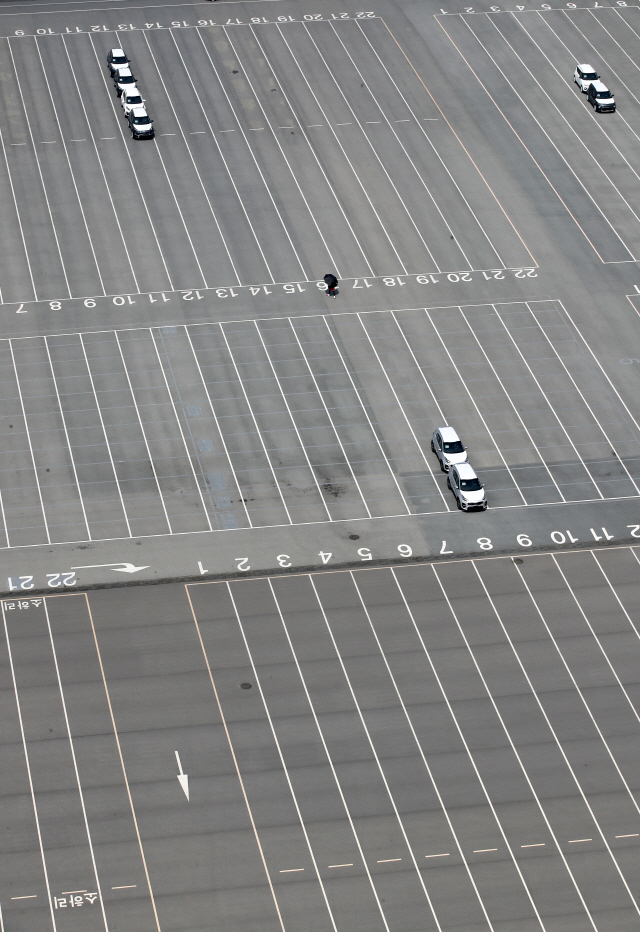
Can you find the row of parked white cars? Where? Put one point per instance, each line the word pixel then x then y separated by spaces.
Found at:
pixel 452 454
pixel 598 94
pixel 133 104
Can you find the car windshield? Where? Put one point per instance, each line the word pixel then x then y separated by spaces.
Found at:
pixel 470 485
pixel 589 76
pixel 119 59
pixel 141 119
pixel 455 447
pixel 126 79
pixel 134 99
pixel 603 94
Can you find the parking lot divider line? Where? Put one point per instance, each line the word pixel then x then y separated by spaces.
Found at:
pixel 546 398
pixel 135 173
pixel 473 401
pixel 283 762
pixel 116 736
pixel 572 677
pixel 292 419
pixel 330 418
pixel 392 472
pixel 28 767
pixel 255 422
pixel 104 433
pixel 223 159
pixel 540 125
pixel 26 427
pixel 400 143
pixel 617 597
pixel 404 414
pixel 512 403
pixel 423 757
pixel 35 155
pixel 420 369
pixel 318 161
pixel 235 761
pixel 460 732
pixel 73 177
pixel 184 441
pixel 6 529
pixel 468 154
pixel 15 205
pixel 104 176
pixel 75 766
pixel 433 148
pixel 586 403
pixel 195 167
pixel 144 436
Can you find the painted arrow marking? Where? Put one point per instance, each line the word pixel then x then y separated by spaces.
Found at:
pixel 182 777
pixel 117 567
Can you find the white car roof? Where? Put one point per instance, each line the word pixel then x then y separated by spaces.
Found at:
pixel 599 86
pixel 139 112
pixel 132 91
pixel 466 471
pixel 120 52
pixel 448 434
pixel 587 68
pixel 124 72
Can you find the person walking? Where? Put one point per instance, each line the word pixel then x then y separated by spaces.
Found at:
pixel 332 284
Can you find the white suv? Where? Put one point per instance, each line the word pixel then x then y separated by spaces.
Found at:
pixel 131 97
pixel 448 447
pixel 584 75
pixel 467 488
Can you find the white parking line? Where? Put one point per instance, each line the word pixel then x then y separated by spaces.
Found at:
pixel 26 427
pixel 473 401
pixel 366 414
pixel 404 414
pixel 73 177
pixel 336 779
pixel 104 177
pixel 241 496
pixel 187 452
pixel 142 431
pixel 318 161
pixel 420 370
pixel 44 190
pixel 534 160
pixel 104 432
pixel 4 524
pixel 281 756
pixel 342 149
pixel 513 405
pixel 195 167
pixel 224 161
pixel 460 732
pixel 587 405
pixel 417 121
pixel 572 677
pixel 255 423
pixel 423 756
pixel 15 206
pixel 69 449
pixel 295 426
pixel 546 398
pixel 75 767
pixel 28 767
pixel 330 418
pixel 411 162
pixel 614 593
pixel 135 174
pixel 551 730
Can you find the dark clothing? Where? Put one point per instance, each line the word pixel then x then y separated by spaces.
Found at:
pixel 331 281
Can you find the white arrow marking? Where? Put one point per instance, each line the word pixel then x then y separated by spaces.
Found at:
pixel 117 567
pixel 182 777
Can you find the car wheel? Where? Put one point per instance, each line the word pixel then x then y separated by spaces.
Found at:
pixel 448 482
pixel 458 504
pixel 433 449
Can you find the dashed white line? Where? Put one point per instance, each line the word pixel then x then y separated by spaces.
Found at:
pixel 310 126
pixel 71 892
pixel 47 142
pixel 389 860
pixel 107 137
pixel 197 132
pixel 167 134
pixel 227 130
pixel 32 896
pixel 18 143
pixel 77 140
pixel 634 835
pixel 577 841
pixel 483 850
pixel 344 124
pixel 539 844
pixel 292 870
pixel 340 865
pixel 127 886
pixel 444 855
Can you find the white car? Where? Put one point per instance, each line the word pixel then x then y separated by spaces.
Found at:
pixel 583 76
pixel 116 59
pixel 131 97
pixel 466 487
pixel 123 78
pixel 448 447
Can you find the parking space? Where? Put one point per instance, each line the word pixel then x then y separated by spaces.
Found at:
pixel 302 420
pixel 525 62
pixel 443 747
pixel 257 172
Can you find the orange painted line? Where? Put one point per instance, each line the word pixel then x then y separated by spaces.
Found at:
pixel 468 154
pixel 520 140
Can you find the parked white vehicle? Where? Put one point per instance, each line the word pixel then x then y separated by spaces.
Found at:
pixel 131 97
pixel 584 75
